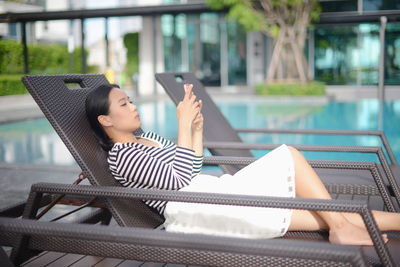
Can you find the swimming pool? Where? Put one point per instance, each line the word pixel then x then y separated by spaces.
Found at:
pixel 35 142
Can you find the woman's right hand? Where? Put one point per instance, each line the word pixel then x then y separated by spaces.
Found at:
pixel 188 108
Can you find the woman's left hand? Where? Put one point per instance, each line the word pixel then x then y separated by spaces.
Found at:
pixel 197 124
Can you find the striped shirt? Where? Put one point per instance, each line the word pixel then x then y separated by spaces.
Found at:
pixel 167 166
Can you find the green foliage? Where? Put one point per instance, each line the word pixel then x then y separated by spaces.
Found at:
pixel 11 57
pixel 291 89
pixel 249 19
pixel 131 42
pixel 253 19
pixel 43 59
pixel 11 85
pixel 49 59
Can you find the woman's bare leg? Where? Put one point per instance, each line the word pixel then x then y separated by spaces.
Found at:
pixel 311 221
pixel 305 220
pixel 386 221
pixel 308 185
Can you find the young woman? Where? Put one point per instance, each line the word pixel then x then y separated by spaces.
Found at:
pixel 152 162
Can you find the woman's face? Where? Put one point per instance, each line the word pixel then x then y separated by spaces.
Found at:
pixel 123 115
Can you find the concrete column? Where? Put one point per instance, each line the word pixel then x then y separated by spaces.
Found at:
pixel 255 58
pixel 311 55
pixel 151 56
pixel 381 83
pixel 224 55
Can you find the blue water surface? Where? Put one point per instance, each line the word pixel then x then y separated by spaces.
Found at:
pixel 35 142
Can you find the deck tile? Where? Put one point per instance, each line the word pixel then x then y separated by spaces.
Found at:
pixel 87 261
pixel 43 259
pixel 108 262
pixel 152 264
pixel 66 260
pixel 130 263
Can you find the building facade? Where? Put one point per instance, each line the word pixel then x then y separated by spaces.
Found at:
pixel 220 53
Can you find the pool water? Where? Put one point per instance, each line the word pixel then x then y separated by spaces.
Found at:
pixel 35 141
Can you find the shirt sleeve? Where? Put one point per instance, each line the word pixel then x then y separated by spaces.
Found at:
pixel 197 165
pixel 141 170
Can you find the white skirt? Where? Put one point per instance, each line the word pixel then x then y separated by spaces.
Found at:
pixel 271 175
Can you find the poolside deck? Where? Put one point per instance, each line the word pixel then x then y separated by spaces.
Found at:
pixel 64 259
pixel 56 259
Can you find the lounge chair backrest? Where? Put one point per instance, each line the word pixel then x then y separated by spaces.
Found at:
pixel 62 100
pixel 216 126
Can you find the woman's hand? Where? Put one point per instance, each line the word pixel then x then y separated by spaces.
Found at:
pixel 197 124
pixel 186 112
pixel 188 109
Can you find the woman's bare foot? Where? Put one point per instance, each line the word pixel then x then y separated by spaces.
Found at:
pixel 350 234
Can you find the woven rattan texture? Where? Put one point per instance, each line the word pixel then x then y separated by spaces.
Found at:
pixel 65 110
pixel 172 255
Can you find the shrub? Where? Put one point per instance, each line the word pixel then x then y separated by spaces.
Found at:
pixel 11 57
pixel 131 42
pixel 291 89
pixel 43 58
pixel 11 84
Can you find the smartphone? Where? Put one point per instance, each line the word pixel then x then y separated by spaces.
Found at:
pixel 185 86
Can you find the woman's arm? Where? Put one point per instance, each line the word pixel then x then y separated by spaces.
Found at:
pixel 135 168
pixel 186 111
pixel 197 133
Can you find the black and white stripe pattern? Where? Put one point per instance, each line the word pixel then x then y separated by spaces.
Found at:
pixel 166 167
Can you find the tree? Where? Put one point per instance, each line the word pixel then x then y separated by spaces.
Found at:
pixel 286 21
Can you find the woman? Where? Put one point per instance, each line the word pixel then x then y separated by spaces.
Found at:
pixel 150 161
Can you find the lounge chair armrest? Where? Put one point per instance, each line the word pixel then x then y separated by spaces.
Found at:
pixel 199 197
pixel 380 134
pixel 135 243
pixel 363 149
pixel 360 207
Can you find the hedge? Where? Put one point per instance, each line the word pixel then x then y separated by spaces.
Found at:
pixel 131 42
pixel 43 59
pixel 11 84
pixel 291 89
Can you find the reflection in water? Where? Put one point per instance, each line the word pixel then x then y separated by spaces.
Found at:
pixel 32 141
pixel 35 141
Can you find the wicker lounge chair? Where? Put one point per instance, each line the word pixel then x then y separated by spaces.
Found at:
pixel 221 139
pixel 63 106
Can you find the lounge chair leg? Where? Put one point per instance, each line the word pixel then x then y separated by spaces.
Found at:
pixel 20 252
pixel 106 217
pixel 4 260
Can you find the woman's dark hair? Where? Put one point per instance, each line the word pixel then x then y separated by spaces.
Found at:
pixel 97 104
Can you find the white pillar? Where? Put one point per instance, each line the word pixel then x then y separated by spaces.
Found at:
pixel 151 56
pixel 255 58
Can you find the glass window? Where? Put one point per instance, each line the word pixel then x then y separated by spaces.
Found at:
pixel 172 44
pixel 373 5
pixel 193 43
pixel 204 44
pixel 12 30
pixel 335 49
pixel 392 54
pixel 237 71
pixel 210 48
pixel 347 54
pixel 338 5
pixel 368 54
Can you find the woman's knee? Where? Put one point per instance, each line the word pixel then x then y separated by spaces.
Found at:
pixel 296 154
pixel 293 150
